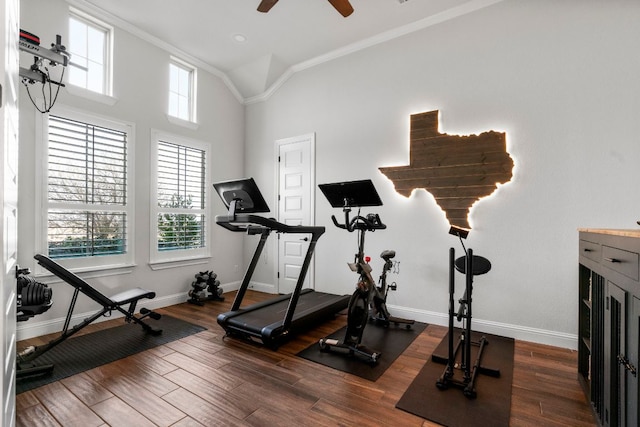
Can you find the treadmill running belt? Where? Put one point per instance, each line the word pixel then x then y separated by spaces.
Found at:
pixel 265 321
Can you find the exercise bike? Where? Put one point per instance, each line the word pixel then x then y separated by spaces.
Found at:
pixel 367 296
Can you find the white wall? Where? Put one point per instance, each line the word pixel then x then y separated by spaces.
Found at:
pixel 140 86
pixel 562 79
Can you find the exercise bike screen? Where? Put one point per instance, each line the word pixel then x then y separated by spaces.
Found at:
pixel 351 194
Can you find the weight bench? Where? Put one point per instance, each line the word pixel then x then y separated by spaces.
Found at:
pixel 115 303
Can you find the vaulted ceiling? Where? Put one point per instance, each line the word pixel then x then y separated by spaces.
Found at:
pixel 254 52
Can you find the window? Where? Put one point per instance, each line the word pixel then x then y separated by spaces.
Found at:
pixel 90 44
pixel 87 190
pixel 180 210
pixel 182 79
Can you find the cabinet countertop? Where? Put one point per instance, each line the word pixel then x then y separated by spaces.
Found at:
pixel 611 232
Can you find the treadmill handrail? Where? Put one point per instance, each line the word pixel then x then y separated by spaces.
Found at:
pixel 241 222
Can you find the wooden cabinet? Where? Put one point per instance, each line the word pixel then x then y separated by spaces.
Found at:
pixel 609 323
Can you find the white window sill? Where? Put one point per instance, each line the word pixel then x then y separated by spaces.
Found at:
pixel 183 123
pixel 166 264
pixel 90 95
pixel 89 272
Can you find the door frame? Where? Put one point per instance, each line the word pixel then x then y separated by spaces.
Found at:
pixel 9 143
pixel 311 139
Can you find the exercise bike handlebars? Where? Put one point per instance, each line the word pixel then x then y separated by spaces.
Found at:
pixel 370 223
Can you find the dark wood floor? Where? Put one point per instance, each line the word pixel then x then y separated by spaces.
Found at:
pixel 207 380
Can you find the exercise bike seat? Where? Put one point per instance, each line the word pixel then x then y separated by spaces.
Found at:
pixel 388 254
pixel 481 265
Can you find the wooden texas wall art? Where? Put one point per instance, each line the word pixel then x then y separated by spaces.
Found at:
pixel 456 170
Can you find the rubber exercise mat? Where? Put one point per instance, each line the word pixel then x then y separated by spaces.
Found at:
pixel 450 407
pixel 78 354
pixel 391 342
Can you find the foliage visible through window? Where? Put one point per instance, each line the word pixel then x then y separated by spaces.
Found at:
pixel 181 83
pixel 89 48
pixel 181 201
pixel 87 189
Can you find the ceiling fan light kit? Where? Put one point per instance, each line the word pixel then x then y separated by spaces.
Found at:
pixel 342 6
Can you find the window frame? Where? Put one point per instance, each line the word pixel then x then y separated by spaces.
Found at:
pixel 181 256
pixel 192 91
pixel 88 263
pixel 108 50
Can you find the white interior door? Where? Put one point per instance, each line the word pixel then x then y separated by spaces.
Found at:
pixel 9 196
pixel 295 207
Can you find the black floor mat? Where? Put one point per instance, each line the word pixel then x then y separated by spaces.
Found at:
pixel 78 354
pixel 391 342
pixel 450 407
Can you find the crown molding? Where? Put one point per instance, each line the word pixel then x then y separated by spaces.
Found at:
pixel 126 26
pixel 446 15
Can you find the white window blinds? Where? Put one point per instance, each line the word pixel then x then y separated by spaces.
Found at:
pixel 181 197
pixel 87 189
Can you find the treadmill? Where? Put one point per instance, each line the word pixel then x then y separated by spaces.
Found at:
pixel 274 321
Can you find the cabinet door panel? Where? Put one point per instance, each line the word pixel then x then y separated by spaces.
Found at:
pixel 599 290
pixel 615 337
pixel 633 416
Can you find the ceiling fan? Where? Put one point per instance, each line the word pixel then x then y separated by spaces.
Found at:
pixel 342 6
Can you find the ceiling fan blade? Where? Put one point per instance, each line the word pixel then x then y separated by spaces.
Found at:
pixel 342 6
pixel 266 5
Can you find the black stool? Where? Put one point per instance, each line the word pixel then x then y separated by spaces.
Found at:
pixel 470 265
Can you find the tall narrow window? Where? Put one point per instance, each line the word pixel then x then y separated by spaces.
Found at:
pixel 88 207
pixel 182 79
pixel 90 44
pixel 180 199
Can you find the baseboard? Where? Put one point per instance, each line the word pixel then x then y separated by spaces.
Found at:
pixel 524 333
pixel 263 287
pixel 228 287
pixel 32 329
